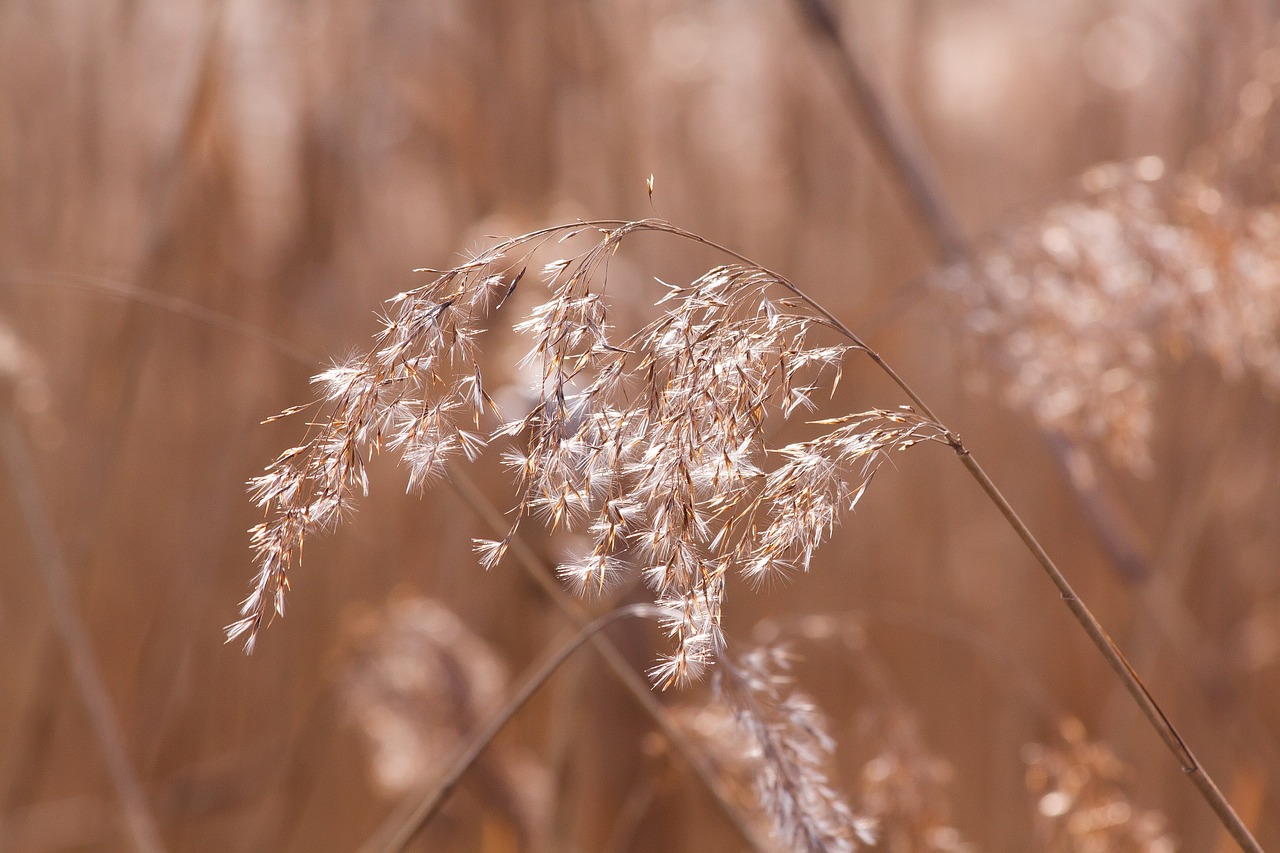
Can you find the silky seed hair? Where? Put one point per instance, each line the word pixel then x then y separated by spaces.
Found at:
pixel 650 443
pixel 787 748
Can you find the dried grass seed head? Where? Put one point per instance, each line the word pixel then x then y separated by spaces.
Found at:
pixel 651 443
pixel 784 740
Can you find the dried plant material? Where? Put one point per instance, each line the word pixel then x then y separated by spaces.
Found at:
pixel 904 788
pixel 1075 307
pixel 768 738
pixel 1260 634
pixel 653 443
pixel 415 682
pixel 1081 805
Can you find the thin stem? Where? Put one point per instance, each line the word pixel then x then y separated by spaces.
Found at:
pixel 406 821
pixel 138 820
pixel 892 137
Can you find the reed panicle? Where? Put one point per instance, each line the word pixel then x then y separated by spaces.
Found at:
pixel 653 442
pixel 414 681
pixel 787 751
pixel 771 744
pixel 905 787
pixel 1075 305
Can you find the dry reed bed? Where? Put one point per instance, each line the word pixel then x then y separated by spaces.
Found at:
pixel 295 224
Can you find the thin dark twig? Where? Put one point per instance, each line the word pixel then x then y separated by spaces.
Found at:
pixel 139 821
pixel 415 813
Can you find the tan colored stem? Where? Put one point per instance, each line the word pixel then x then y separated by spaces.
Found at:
pixel 405 822
pixel 1106 646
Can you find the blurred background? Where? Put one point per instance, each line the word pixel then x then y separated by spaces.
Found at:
pixel 202 202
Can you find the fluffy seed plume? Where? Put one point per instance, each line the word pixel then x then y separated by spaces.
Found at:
pixel 783 740
pixel 651 443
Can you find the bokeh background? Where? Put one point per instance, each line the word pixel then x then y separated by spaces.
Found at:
pixel 203 201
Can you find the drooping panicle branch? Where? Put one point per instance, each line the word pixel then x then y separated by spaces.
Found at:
pixel 651 442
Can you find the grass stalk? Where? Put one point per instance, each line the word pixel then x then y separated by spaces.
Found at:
pixel 139 823
pixel 1146 703
pixel 405 822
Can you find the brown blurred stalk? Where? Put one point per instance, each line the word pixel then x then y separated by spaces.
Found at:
pixel 415 813
pixel 139 822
